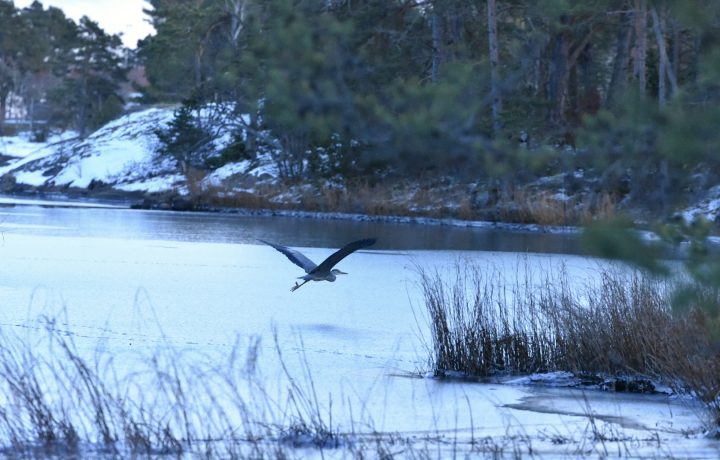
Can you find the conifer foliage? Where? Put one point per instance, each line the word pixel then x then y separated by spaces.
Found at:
pixel 451 85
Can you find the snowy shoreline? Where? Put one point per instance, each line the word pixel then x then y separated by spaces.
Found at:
pixel 449 222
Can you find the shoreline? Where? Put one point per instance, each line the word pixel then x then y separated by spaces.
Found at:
pixel 134 202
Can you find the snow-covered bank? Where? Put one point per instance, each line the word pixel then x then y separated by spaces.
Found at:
pixel 121 160
pixel 398 219
pixel 122 155
pixel 120 152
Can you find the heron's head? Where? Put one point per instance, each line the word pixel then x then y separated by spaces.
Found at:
pixel 335 271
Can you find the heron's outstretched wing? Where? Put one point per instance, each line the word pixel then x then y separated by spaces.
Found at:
pixel 295 257
pixel 340 254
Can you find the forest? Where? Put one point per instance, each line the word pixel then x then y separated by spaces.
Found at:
pixel 616 96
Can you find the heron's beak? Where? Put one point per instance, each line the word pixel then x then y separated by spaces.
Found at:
pixel 340 273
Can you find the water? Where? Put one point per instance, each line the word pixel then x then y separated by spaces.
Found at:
pixel 289 231
pixel 127 281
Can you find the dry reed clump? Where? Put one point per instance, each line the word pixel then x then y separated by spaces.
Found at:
pixel 477 328
pixel 621 325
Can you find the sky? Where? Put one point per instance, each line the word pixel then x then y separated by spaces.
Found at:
pixel 114 16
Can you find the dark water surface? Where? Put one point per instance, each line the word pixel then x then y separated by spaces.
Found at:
pixel 290 231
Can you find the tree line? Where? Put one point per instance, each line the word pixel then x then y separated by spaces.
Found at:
pixel 64 74
pixel 451 84
pixel 503 90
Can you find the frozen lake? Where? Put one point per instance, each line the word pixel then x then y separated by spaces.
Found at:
pixel 130 281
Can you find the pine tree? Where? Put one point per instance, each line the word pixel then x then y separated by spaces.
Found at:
pixel 89 92
pixel 184 54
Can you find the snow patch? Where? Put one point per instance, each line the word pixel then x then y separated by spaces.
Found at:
pixel 559 378
pixel 21 145
pixel 154 184
pixel 107 162
pixel 34 178
pixel 708 208
pixel 216 177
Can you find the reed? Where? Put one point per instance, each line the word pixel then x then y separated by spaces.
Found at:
pixel 620 325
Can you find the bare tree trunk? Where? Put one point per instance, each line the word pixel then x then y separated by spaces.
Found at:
pixel 454 29
pixel 82 113
pixel 198 66
pixel 494 67
pixel 558 83
pixel 676 49
pixel 537 74
pixel 237 11
pixel 618 81
pixel 697 48
pixel 640 70
pixel 572 103
pixel 251 139
pixel 590 98
pixel 4 94
pixel 541 68
pixel 664 69
pixel 6 86
pixel 662 62
pixel 291 160
pixel 31 113
pixel 437 57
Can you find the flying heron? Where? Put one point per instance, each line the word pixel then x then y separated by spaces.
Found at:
pixel 324 271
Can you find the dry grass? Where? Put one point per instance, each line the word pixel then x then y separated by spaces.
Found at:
pixel 436 198
pixel 528 206
pixel 58 401
pixel 622 325
pixel 477 328
pixel 358 197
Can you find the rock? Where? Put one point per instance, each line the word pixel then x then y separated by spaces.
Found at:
pixel 96 184
pixel 180 203
pixel 8 183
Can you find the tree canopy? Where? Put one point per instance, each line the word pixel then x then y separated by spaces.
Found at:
pixel 450 84
pixel 478 89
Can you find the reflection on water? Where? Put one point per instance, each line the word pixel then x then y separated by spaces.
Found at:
pixel 290 231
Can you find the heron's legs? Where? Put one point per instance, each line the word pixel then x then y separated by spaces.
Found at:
pixel 297 286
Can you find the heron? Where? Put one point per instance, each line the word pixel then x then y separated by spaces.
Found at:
pixel 324 271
